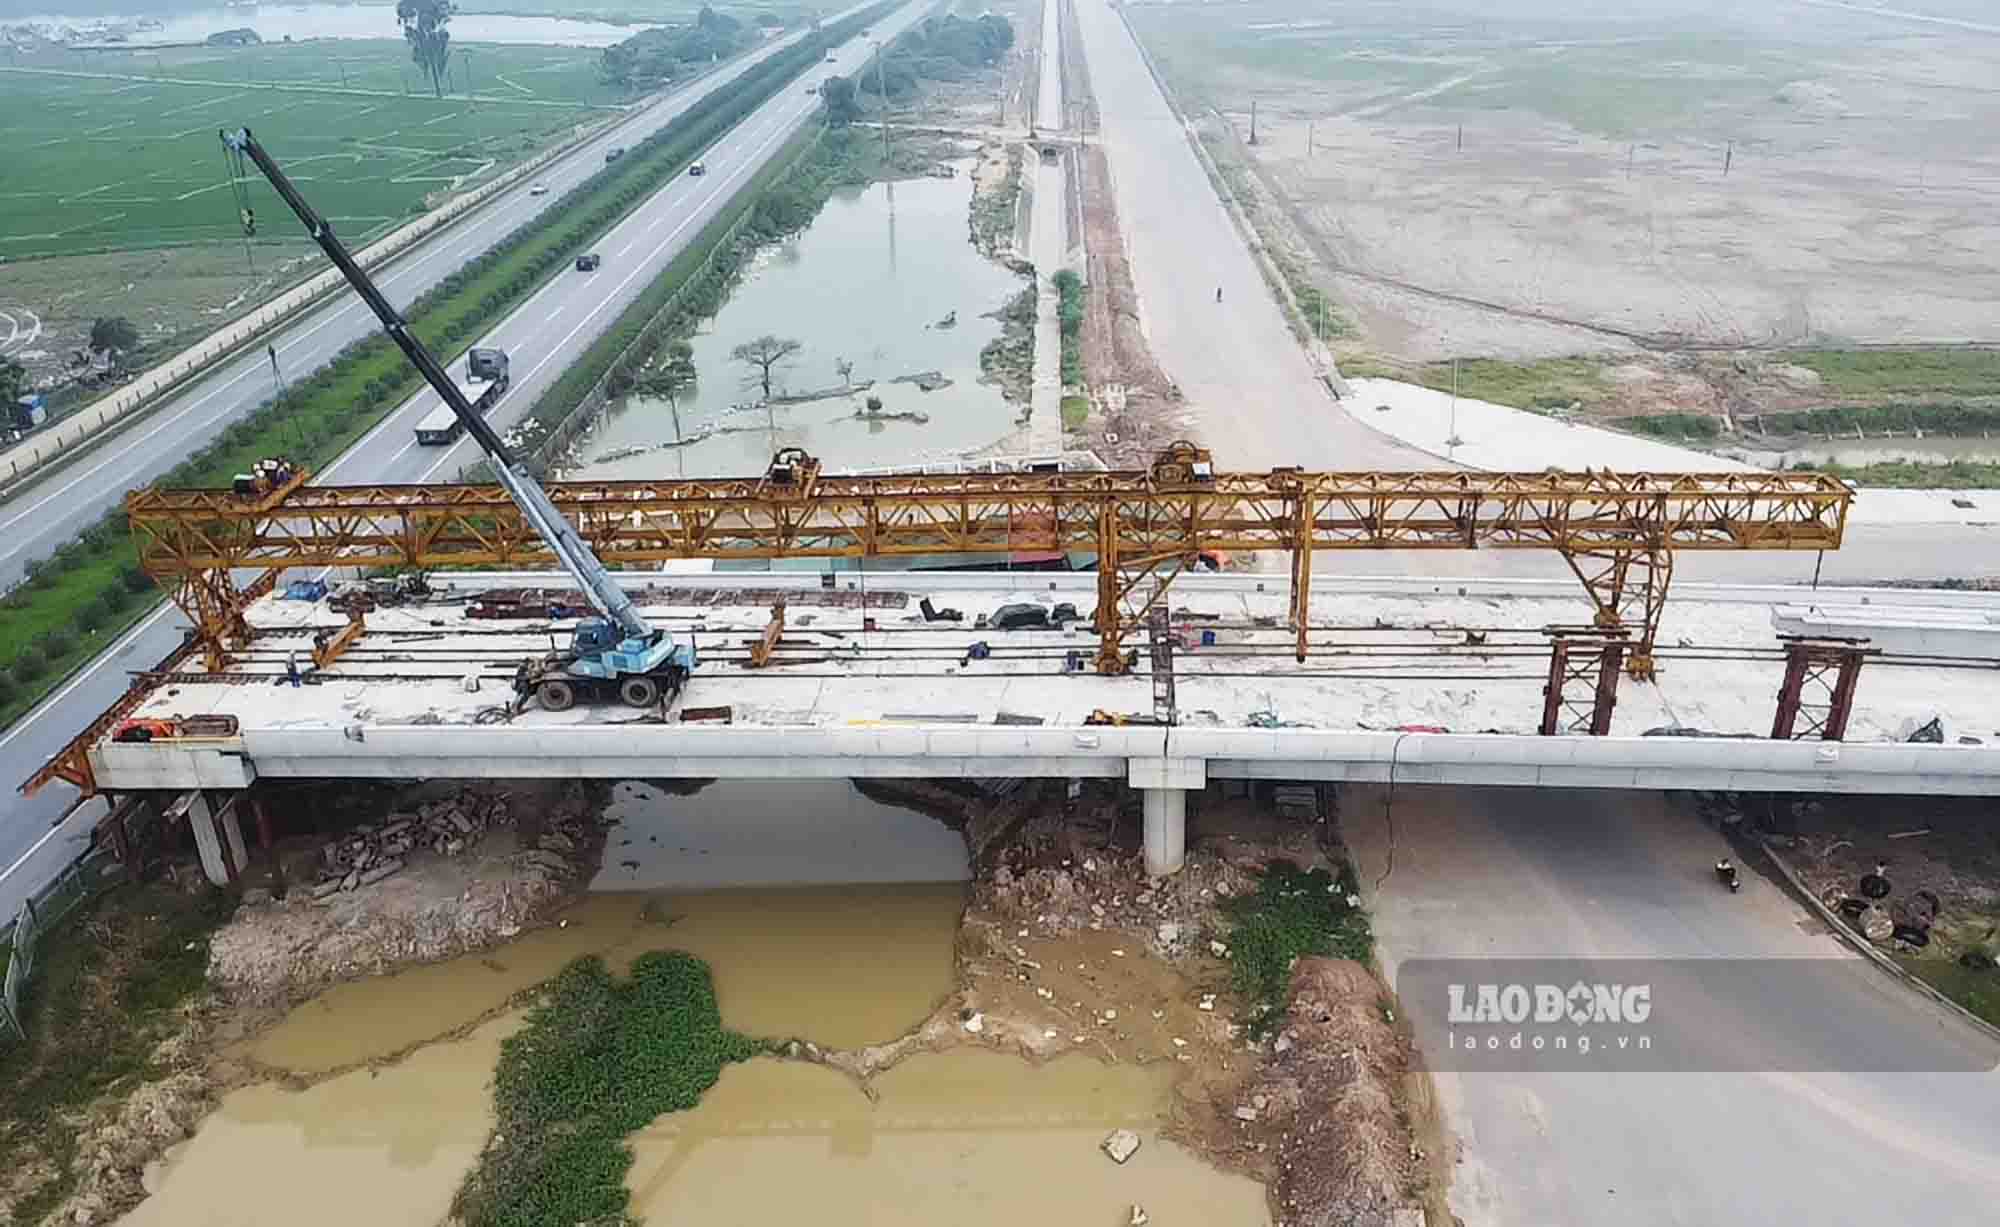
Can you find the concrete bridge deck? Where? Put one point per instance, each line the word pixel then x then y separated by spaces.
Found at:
pixel 908 697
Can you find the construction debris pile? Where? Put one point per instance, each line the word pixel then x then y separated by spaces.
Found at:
pixel 374 851
pixel 451 874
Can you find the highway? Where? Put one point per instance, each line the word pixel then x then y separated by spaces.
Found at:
pixel 1541 872
pixel 1503 872
pixel 543 336
pixel 51 512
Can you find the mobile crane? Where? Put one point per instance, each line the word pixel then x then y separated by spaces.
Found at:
pixel 618 653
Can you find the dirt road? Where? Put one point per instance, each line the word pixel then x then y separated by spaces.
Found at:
pixel 1252 392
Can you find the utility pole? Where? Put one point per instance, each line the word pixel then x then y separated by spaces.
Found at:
pixel 1309 138
pixel 1728 156
pixel 470 102
pixel 882 88
pixel 1461 138
pixel 1452 440
pixel 1253 121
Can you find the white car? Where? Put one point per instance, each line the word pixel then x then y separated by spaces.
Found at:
pixel 539 189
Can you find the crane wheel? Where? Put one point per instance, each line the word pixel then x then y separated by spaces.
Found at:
pixel 639 691
pixel 556 695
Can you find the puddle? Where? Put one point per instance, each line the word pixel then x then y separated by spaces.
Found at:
pixel 770 833
pixel 380 1147
pixel 968 1137
pixel 868 282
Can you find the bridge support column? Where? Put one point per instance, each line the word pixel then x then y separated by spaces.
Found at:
pixel 1166 831
pixel 1165 784
pixel 218 837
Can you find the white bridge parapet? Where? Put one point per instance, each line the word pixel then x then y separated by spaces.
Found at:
pixel 1146 757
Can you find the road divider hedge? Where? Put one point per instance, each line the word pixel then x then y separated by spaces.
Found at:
pixel 73 604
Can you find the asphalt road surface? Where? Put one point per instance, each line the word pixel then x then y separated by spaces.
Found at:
pixel 1255 399
pixel 48 514
pixel 543 336
pixel 1605 874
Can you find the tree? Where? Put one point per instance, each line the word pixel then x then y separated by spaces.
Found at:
pixel 675 375
pixel 764 355
pixel 423 23
pixel 841 107
pixel 845 369
pixel 13 378
pixel 113 334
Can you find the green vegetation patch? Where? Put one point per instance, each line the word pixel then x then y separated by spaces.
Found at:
pixel 1294 912
pixel 1680 427
pixel 1905 372
pixel 108 985
pixel 598 1060
pixel 1075 412
pixel 1911 475
pixel 1069 313
pixel 1943 418
pixel 1542 386
pixel 1977 989
pixel 127 157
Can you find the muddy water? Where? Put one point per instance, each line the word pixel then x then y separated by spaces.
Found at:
pixel 384 1147
pixel 770 833
pixel 968 1137
pixel 868 283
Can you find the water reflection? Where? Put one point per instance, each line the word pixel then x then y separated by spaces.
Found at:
pixel 842 290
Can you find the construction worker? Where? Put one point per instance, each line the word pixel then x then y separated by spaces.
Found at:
pixel 292 667
pixel 1218 293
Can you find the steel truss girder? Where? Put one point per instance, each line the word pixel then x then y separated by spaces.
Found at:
pixel 1618 531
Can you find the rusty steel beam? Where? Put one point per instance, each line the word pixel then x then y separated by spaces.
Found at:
pixel 1618 531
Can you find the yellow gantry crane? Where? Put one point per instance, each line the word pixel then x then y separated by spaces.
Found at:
pixel 1618 532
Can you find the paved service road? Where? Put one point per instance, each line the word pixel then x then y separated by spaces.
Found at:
pixel 543 336
pixel 50 513
pixel 1254 395
pixel 1548 872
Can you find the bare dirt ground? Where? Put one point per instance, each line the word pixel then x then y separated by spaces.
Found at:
pixel 1504 183
pixel 1938 857
pixel 1066 945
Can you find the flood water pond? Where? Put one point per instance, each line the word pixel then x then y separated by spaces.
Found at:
pixel 869 282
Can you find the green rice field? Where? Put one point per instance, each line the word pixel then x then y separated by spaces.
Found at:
pixel 118 151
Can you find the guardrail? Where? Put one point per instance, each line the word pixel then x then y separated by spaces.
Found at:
pixel 38 913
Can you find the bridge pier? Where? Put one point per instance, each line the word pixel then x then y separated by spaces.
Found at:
pixel 1164 784
pixel 1166 831
pixel 218 837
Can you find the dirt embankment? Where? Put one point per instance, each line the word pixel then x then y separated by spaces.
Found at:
pixel 1067 946
pixel 1135 409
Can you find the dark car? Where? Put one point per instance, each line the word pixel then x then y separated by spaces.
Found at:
pixel 614 153
pixel 588 263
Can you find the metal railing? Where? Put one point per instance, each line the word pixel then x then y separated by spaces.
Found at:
pixel 39 913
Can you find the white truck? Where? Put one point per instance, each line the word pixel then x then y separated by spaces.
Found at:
pixel 441 425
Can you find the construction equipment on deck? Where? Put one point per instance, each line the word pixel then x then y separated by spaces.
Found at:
pixel 1619 532
pixel 619 653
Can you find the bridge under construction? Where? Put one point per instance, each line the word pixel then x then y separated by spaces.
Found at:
pixel 1242 672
